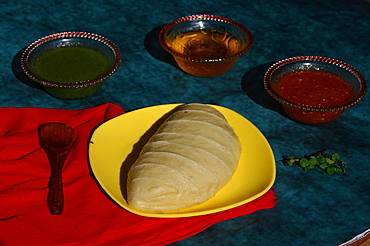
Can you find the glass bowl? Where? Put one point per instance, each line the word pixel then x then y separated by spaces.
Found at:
pixel 328 87
pixel 71 65
pixel 205 45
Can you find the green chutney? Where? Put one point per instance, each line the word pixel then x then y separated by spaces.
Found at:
pixel 70 64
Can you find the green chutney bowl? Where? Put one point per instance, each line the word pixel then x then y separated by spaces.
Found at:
pixel 71 65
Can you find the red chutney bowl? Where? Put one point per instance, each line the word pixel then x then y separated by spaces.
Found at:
pixel 314 90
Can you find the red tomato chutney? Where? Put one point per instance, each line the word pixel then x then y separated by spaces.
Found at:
pixel 316 89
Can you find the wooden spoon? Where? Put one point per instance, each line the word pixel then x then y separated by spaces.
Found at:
pixel 57 140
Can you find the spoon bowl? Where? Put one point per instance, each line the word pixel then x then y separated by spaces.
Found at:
pixel 57 141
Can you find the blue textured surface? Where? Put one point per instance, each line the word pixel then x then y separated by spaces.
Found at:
pixel 313 208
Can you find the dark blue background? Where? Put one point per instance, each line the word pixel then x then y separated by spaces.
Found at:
pixel 313 208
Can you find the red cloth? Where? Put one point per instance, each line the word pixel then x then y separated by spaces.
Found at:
pixel 90 217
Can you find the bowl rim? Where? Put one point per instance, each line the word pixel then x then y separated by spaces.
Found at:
pixel 206 17
pixel 268 74
pixel 78 84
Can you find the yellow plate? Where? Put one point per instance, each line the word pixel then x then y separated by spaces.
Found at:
pixel 115 145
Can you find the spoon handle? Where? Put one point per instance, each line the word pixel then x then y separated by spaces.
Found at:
pixel 55 195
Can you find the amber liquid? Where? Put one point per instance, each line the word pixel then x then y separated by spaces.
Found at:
pixel 206 48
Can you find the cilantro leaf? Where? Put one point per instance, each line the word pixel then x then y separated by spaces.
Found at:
pixel 329 163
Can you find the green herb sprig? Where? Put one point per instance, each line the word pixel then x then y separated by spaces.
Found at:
pixel 329 163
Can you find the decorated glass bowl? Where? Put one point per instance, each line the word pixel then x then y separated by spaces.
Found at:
pixel 205 45
pixel 314 90
pixel 71 65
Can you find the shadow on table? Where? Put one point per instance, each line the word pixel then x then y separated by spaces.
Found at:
pixel 20 75
pixel 252 85
pixel 154 48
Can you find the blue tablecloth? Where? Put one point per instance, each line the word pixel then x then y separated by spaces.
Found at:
pixel 313 208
